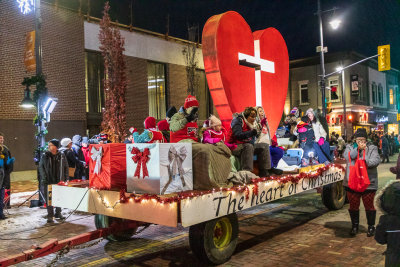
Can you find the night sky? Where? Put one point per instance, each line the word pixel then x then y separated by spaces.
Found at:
pixel 365 23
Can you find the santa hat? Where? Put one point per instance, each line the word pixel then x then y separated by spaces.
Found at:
pixel 191 101
pixel 214 121
pixel 132 130
pixel 163 125
pixel 150 122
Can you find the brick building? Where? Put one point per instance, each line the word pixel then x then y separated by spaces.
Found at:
pixel 73 67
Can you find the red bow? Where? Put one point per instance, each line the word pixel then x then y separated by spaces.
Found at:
pixel 141 158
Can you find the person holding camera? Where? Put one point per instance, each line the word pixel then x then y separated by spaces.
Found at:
pixel 53 168
pixel 244 134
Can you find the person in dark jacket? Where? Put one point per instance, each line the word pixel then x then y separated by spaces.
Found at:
pixel 385 148
pixel 372 161
pixel 243 134
pixel 388 228
pixel 5 161
pixel 73 161
pixel 396 169
pixel 53 168
pixel 8 168
pixel 80 164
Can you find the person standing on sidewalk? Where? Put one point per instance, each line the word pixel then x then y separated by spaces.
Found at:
pixel 53 168
pixel 7 170
pixel 388 228
pixel 385 148
pixel 372 161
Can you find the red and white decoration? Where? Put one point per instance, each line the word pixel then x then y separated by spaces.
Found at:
pixel 159 168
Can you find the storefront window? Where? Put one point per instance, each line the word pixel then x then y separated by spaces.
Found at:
pixel 94 88
pixel 391 97
pixel 203 96
pixel 393 128
pixel 156 90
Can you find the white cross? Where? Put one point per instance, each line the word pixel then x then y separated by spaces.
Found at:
pixel 259 65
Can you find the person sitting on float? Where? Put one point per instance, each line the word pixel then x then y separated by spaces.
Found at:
pixel 150 134
pixel 216 133
pixel 244 133
pixel 320 144
pixel 306 139
pixel 183 124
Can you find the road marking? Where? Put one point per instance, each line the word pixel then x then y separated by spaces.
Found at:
pixel 334 253
pixel 369 248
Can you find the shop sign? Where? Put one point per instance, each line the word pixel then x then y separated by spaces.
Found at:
pixel 354 84
pixel 381 119
pixel 363 117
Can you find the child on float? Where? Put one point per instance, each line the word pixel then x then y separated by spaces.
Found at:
pixel 216 133
pixel 321 146
pixel 151 134
pixel 306 141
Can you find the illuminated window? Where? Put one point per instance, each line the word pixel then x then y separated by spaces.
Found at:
pixel 391 97
pixel 94 88
pixel 334 92
pixel 156 90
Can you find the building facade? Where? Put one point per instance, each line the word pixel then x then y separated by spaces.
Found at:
pixel 371 97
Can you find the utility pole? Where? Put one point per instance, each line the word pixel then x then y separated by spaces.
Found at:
pixel 322 59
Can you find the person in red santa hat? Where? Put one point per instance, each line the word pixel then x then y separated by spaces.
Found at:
pixel 183 124
pixel 150 134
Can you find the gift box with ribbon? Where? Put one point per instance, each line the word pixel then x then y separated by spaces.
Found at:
pixel 107 166
pixel 159 168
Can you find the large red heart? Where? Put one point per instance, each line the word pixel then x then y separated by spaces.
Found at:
pixel 233 85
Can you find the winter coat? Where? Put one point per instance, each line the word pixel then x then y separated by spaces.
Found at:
pixel 318 130
pixel 396 169
pixel 212 137
pixel 45 165
pixel 86 155
pixel 372 159
pixel 238 133
pixel 387 200
pixel 385 146
pixel 8 167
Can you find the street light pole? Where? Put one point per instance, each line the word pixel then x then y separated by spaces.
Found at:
pixel 344 106
pixel 322 59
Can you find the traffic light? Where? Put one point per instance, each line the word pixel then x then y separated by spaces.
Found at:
pixel 384 57
pixel 329 108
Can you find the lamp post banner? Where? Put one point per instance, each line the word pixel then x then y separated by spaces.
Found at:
pixel 221 203
pixel 29 55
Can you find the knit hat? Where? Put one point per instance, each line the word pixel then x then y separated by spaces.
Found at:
pixel 150 122
pixel 55 142
pixel 76 139
pixel 214 121
pixel 310 111
pixel 361 132
pixel 85 140
pixel 171 111
pixel 65 141
pixel 295 111
pixel 190 101
pixel 163 125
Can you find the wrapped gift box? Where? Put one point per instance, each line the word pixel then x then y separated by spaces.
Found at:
pixel 107 166
pixel 159 168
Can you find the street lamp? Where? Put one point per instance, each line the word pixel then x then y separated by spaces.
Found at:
pixel 341 70
pixel 321 49
pixel 27 102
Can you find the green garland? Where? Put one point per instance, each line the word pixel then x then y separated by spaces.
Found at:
pixel 40 82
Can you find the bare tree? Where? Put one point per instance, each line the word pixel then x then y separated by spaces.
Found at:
pixel 189 53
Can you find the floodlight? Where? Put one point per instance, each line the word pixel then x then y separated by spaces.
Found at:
pixel 27 102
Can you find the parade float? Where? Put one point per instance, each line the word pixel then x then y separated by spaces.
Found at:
pixel 133 185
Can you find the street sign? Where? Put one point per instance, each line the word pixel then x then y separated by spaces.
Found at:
pixel 384 57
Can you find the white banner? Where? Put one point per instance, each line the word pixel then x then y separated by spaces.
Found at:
pixel 221 203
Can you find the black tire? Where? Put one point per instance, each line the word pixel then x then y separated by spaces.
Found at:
pixel 333 195
pixel 214 242
pixel 104 221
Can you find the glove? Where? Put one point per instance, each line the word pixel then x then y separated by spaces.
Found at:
pixel 254 132
pixel 192 115
pixel 321 141
pixel 264 122
pixel 10 161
